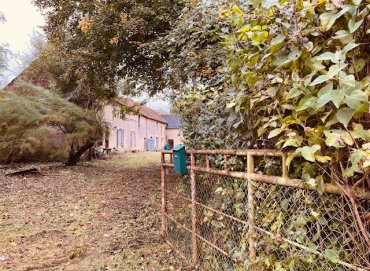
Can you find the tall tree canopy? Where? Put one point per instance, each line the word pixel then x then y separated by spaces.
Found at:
pixel 102 42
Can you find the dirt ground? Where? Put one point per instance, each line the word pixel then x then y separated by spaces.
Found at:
pixel 101 215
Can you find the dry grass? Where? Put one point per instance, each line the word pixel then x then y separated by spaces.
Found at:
pixel 101 215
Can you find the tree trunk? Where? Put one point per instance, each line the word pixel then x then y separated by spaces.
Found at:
pixel 75 157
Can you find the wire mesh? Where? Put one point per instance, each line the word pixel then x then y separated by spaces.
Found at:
pixel 296 229
pixel 178 204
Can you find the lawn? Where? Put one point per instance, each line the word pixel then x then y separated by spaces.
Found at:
pixel 100 215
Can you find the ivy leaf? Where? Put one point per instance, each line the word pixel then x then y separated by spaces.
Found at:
pixel 355 159
pixel 330 95
pixel 308 152
pixel 357 100
pixel 344 115
pixel 320 79
pixel 335 69
pixel 277 40
pixel 358 65
pixel 306 103
pixel 320 184
pixel 326 56
pixel 290 158
pixel 348 80
pixel 294 54
pixel 328 19
pixel 322 159
pixel 332 255
pixel 293 142
pixel 338 138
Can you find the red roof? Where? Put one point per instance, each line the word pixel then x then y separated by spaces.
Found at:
pixel 141 109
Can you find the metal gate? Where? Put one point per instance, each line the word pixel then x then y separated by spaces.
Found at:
pixel 219 217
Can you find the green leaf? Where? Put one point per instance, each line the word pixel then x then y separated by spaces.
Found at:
pixel 353 26
pixel 358 65
pixel 293 142
pixel 335 69
pixel 306 103
pixel 344 115
pixel 230 105
pixel 275 132
pixel 294 54
pixel 308 152
pixel 355 160
pixel 328 19
pixel 332 255
pixel 322 159
pixel 320 184
pixel 349 47
pixel 348 80
pixel 325 56
pixel 341 34
pixel 277 40
pixel 320 79
pixel 290 158
pixel 330 95
pixel 338 138
pixel 357 100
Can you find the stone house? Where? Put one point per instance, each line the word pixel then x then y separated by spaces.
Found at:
pixel 142 130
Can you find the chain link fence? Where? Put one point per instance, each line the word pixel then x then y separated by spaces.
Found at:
pixel 219 219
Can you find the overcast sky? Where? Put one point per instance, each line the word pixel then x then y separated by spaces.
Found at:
pixel 22 18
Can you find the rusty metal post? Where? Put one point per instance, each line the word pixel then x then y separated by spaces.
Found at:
pixel 207 162
pixel 251 205
pixel 284 166
pixel 194 247
pixel 163 196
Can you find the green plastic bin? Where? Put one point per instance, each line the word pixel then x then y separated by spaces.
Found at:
pixel 179 159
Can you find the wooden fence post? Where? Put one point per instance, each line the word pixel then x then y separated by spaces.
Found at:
pixel 163 196
pixel 194 247
pixel 251 204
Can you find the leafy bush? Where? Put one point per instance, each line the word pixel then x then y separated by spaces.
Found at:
pixel 292 75
pixel 278 74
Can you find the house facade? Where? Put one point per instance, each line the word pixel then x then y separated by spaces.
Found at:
pixel 173 129
pixel 142 130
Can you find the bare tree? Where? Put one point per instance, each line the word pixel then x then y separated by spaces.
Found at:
pixel 35 47
pixel 4 54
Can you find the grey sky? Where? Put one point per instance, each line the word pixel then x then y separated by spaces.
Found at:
pixel 22 18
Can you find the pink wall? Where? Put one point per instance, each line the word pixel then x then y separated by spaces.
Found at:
pixel 174 134
pixel 130 126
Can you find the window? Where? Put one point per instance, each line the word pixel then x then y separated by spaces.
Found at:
pixel 118 138
pixel 157 125
pixel 132 139
pixel 122 138
pixel 138 121
pixel 171 142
